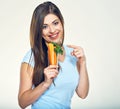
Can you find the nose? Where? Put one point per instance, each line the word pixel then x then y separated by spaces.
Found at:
pixel 52 29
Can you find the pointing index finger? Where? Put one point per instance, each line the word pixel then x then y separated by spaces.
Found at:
pixel 72 46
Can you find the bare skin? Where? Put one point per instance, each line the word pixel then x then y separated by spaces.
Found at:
pixel 83 86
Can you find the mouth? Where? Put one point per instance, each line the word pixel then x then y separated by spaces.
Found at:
pixel 54 36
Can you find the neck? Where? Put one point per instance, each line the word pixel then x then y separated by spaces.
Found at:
pixel 61 57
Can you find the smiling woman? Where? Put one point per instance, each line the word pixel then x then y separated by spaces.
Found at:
pixel 37 74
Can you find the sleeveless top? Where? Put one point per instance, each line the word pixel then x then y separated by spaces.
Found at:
pixel 58 96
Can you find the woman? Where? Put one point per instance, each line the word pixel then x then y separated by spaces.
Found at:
pixel 37 76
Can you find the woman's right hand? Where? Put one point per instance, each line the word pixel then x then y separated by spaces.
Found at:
pixel 50 73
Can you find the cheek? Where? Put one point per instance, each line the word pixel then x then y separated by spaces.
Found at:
pixel 43 32
pixel 43 35
pixel 60 28
pixel 62 31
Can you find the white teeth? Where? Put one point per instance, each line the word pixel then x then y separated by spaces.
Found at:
pixel 54 35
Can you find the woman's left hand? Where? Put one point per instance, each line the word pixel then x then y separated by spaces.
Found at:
pixel 78 52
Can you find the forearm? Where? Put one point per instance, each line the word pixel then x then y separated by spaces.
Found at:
pixel 83 86
pixel 30 96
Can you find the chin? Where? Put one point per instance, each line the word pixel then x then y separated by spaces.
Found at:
pixel 60 42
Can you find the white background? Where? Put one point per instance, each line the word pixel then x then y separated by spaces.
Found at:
pixel 92 24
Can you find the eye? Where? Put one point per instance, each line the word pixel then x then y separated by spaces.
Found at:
pixel 44 26
pixel 56 23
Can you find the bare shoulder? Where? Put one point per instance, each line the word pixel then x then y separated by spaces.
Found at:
pixel 26 70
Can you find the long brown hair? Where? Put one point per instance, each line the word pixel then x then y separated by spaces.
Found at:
pixel 37 42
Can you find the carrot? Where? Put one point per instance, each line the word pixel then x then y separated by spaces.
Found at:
pixel 53 50
pixel 52 56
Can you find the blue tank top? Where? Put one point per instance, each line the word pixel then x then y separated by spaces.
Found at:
pixel 58 96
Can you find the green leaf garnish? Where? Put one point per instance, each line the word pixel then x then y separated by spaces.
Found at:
pixel 58 48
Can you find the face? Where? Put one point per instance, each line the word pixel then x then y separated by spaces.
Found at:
pixel 52 29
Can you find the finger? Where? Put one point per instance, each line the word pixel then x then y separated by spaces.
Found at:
pixel 52 66
pixel 78 55
pixel 72 46
pixel 52 76
pixel 53 71
pixel 75 51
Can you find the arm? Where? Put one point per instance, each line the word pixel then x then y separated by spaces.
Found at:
pixel 83 85
pixel 27 95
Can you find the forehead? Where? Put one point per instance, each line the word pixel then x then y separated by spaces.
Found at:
pixel 50 18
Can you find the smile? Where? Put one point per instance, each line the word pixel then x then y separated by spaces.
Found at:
pixel 53 36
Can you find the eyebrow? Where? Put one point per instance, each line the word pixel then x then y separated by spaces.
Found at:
pixel 53 21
